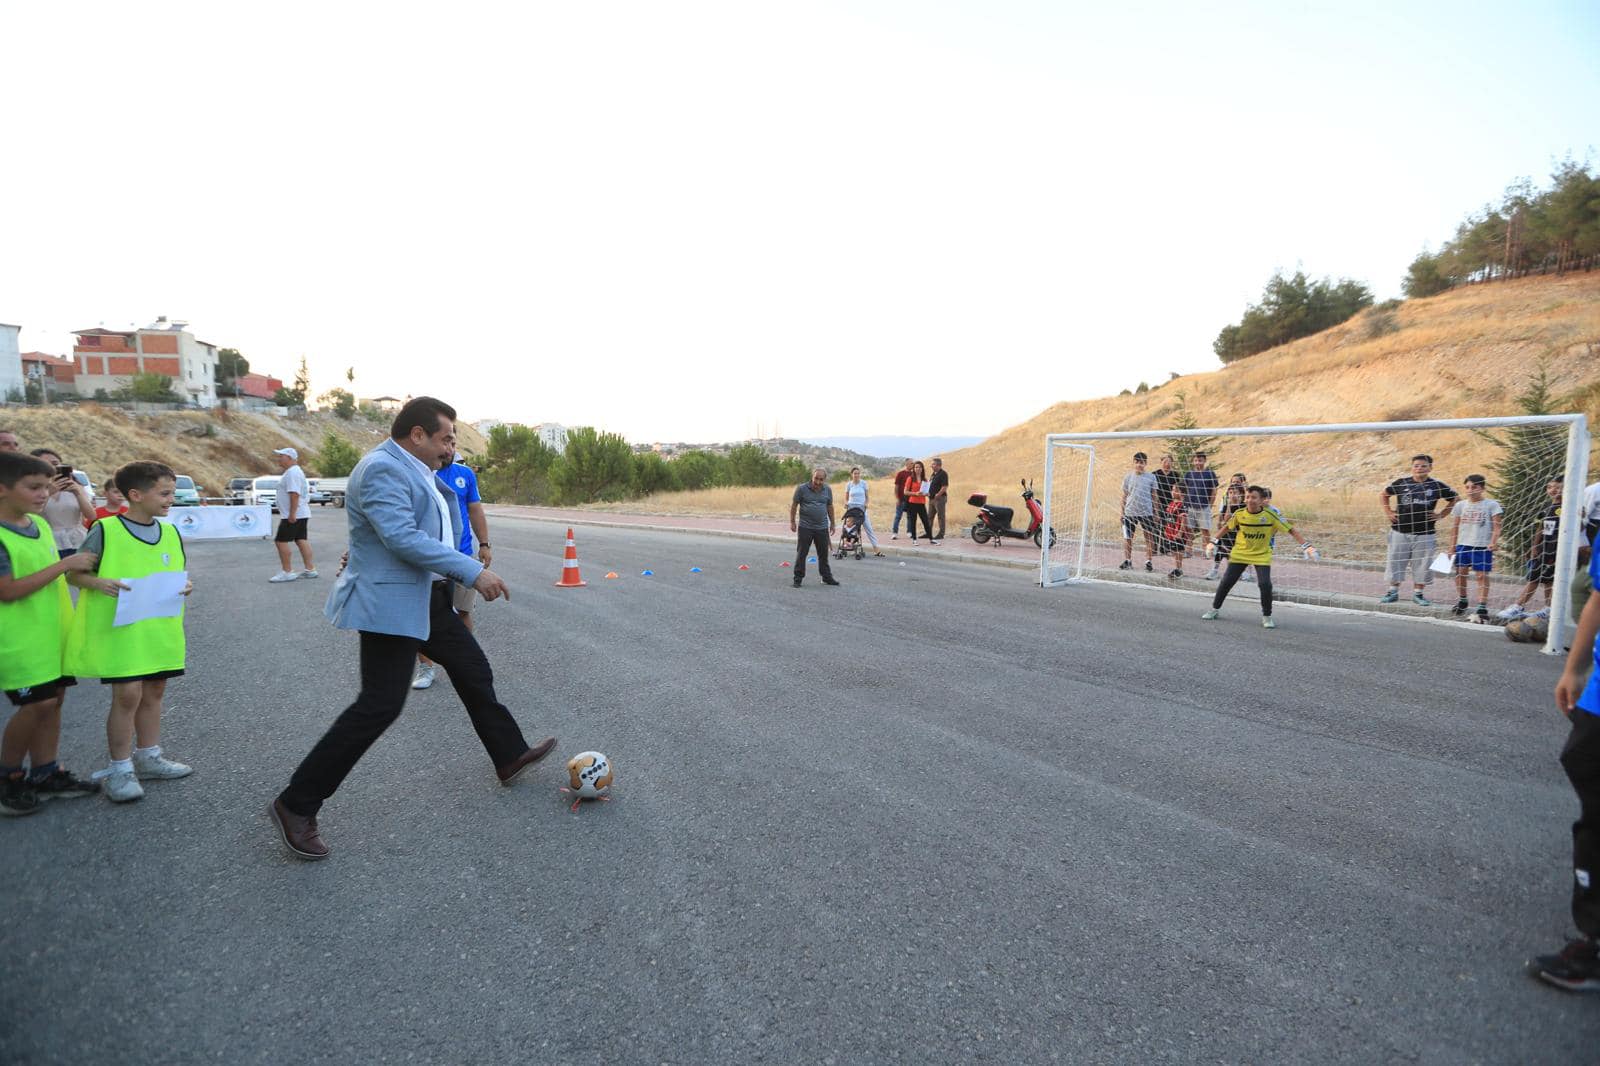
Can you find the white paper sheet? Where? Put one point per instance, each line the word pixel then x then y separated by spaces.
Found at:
pixel 156 596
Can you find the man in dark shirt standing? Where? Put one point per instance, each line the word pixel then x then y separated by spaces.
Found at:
pixel 938 494
pixel 1411 527
pixel 813 502
pixel 1199 493
pixel 1166 477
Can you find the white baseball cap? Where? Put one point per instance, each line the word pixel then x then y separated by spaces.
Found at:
pixel 290 452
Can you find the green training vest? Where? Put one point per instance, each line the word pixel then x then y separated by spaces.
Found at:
pixel 96 648
pixel 33 630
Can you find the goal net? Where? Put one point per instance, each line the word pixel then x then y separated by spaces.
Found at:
pixel 1354 492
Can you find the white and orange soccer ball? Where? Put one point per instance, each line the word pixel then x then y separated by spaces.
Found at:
pixel 589 774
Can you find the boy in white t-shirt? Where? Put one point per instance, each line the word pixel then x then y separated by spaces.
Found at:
pixel 1476 537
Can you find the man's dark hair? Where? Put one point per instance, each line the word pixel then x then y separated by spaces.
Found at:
pixel 1265 493
pixel 423 411
pixel 140 475
pixel 14 466
pixel 1140 457
pixel 1198 455
pixel 39 453
pixel 1475 479
pixel 1424 457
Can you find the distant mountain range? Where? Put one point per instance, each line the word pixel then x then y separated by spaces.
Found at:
pixel 895 447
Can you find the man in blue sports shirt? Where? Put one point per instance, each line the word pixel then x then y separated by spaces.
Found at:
pixel 463 483
pixel 1577 967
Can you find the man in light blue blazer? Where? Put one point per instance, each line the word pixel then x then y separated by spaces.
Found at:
pixel 395 590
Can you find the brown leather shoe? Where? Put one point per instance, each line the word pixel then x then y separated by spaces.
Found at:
pixel 299 834
pixel 509 772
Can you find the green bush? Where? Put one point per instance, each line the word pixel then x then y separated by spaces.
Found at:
pixel 337 456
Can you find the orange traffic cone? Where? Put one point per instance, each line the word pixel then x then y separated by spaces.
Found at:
pixel 569 568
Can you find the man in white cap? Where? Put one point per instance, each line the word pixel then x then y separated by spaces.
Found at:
pixel 294 510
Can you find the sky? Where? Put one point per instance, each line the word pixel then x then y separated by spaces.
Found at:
pixel 710 221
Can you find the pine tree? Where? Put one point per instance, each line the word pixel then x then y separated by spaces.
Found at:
pixel 1183 448
pixel 1530 457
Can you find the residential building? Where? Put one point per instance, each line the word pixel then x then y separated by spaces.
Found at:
pixel 108 359
pixel 554 435
pixel 55 375
pixel 253 392
pixel 389 405
pixel 11 380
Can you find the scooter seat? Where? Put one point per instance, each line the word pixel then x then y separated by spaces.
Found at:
pixel 1001 516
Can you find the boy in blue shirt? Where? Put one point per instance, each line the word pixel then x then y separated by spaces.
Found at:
pixel 1577 967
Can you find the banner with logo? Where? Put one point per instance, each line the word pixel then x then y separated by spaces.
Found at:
pixel 221 523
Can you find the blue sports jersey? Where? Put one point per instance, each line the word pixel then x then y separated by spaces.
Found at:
pixel 1590 700
pixel 459 479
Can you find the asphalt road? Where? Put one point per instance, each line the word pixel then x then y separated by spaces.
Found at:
pixel 936 815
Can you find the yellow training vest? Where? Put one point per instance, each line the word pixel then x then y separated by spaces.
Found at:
pixel 33 630
pixel 96 648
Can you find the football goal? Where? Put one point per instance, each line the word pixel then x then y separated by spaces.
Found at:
pixel 1369 496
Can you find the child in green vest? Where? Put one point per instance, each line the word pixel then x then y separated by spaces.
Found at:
pixel 136 659
pixel 35 608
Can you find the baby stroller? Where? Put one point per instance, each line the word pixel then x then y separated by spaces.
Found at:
pixel 850 534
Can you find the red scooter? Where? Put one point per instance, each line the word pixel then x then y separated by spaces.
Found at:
pixel 994 522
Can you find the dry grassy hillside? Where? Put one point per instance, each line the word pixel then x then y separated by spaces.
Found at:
pixel 209 446
pixel 1466 353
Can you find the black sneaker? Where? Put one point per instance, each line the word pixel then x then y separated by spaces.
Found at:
pixel 1460 608
pixel 63 784
pixel 1127 564
pixel 1176 574
pixel 16 798
pixel 1482 613
pixel 1149 566
pixel 829 581
pixel 796 582
pixel 1576 968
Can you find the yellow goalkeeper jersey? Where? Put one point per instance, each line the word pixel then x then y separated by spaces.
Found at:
pixel 1254 544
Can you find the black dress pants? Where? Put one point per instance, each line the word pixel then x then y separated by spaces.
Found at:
pixel 387 664
pixel 806 539
pixel 1580 758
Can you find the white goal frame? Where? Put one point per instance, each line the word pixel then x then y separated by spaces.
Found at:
pixel 1574 480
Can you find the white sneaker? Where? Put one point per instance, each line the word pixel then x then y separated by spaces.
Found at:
pixel 282 576
pixel 1545 613
pixel 159 768
pixel 1268 623
pixel 1211 615
pixel 423 678
pixel 309 573
pixel 1211 575
pixel 121 787
pixel 1510 613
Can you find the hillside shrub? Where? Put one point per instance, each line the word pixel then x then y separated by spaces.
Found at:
pixel 337 456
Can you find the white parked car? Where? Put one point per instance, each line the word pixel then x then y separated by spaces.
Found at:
pixel 263 491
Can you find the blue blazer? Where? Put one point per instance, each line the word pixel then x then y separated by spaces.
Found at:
pixel 395 547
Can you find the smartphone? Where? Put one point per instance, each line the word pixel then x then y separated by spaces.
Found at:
pixel 63 470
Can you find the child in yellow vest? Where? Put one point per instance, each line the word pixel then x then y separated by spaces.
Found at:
pixel 136 659
pixel 35 608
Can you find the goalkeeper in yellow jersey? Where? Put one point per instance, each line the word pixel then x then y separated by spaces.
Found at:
pixel 1254 526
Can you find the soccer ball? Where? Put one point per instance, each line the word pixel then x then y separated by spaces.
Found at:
pixel 1528 630
pixel 590 774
